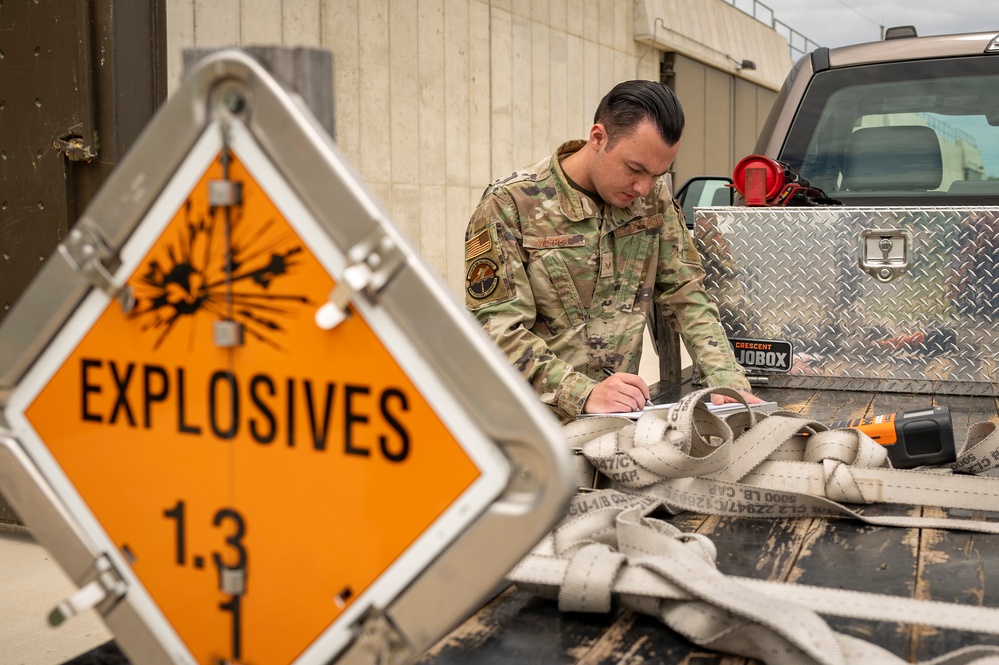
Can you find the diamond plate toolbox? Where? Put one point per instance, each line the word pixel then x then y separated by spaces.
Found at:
pixel 887 299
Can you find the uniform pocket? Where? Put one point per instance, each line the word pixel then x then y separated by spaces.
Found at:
pixel 636 247
pixel 556 297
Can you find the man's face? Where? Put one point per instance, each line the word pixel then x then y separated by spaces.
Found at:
pixel 630 168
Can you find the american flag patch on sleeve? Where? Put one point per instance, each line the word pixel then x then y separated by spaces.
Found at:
pixel 480 244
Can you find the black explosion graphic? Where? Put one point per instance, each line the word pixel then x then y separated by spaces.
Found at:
pixel 222 267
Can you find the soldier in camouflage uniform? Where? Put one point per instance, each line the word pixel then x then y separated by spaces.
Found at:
pixel 564 258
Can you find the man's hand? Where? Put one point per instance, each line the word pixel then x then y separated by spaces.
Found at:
pixel 718 400
pixel 618 393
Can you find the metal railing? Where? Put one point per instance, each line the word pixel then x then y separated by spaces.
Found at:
pixel 798 43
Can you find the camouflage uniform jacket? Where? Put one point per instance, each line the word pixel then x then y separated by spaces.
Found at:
pixel 564 287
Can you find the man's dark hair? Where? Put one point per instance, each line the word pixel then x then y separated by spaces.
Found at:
pixel 630 102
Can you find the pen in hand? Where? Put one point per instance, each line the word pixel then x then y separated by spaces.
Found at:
pixel 608 372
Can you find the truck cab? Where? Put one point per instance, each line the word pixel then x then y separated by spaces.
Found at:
pixel 909 120
pixel 905 121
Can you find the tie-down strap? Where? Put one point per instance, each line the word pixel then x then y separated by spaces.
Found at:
pixel 608 546
pixel 686 458
pixel 776 465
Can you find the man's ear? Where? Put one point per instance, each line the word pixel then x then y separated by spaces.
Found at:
pixel 598 136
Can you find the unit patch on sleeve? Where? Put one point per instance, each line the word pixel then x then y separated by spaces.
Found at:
pixel 482 278
pixel 487 277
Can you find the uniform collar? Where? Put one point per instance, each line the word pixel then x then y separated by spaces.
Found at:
pixel 576 206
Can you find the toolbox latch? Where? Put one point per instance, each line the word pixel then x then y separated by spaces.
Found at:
pixel 885 253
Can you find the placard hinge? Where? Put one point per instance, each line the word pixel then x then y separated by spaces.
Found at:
pixel 105 584
pixel 371 264
pixel 86 251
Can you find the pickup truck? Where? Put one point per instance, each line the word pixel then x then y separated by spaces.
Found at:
pixel 884 294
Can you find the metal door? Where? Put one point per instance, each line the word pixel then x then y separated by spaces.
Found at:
pixel 78 81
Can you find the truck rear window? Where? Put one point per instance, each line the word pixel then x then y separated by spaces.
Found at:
pixel 919 133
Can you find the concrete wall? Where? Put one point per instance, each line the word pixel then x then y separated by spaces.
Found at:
pixel 435 98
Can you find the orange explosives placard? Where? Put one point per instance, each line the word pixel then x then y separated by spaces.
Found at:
pixel 256 490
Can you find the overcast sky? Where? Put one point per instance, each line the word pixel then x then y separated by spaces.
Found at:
pixel 840 22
